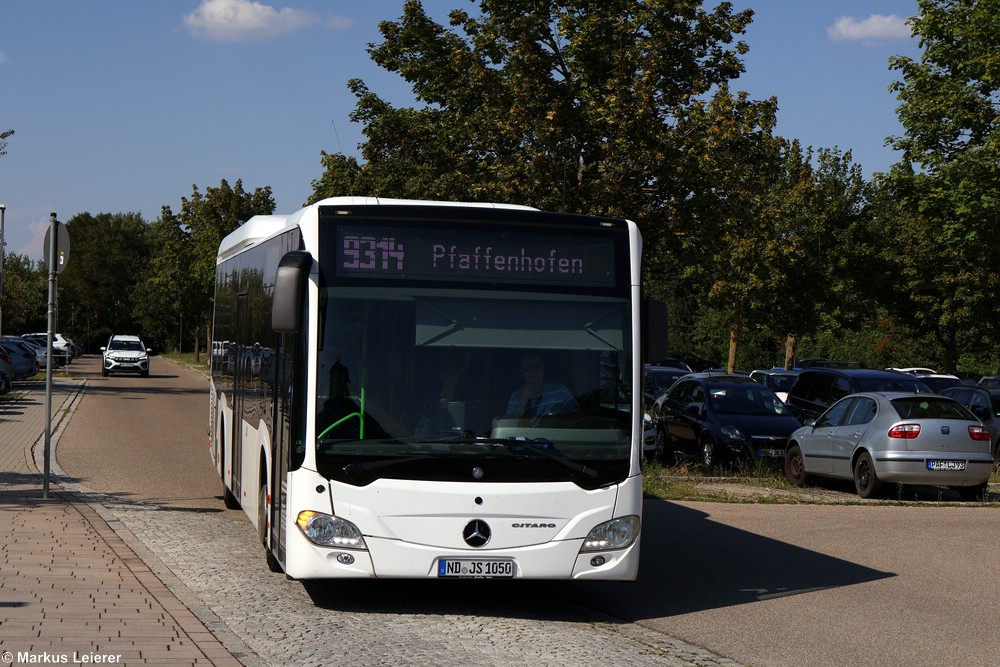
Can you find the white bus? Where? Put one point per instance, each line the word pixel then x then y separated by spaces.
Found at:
pixel 369 362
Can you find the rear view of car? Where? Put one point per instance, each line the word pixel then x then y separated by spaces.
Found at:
pixel 894 438
pixel 20 359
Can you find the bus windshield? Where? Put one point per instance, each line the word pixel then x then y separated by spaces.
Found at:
pixel 448 384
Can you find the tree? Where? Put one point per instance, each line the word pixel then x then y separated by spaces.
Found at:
pixel 109 253
pixel 764 217
pixel 944 190
pixel 186 264
pixel 25 295
pixel 567 105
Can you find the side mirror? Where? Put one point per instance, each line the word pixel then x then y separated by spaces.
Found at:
pixel 289 291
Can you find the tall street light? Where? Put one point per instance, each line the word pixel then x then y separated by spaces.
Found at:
pixel 3 210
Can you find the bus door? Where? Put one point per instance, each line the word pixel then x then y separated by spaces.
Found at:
pixel 288 448
pixel 240 378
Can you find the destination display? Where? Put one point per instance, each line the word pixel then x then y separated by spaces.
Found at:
pixel 463 255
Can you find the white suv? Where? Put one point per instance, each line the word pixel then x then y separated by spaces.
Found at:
pixel 125 354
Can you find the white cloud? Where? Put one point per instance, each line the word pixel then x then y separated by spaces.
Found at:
pixel 243 20
pixel 875 28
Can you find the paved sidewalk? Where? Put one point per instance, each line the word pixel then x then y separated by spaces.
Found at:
pixel 71 591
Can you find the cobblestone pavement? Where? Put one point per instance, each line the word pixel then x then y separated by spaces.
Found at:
pixel 213 564
pixel 71 591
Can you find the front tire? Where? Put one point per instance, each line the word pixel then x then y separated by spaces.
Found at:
pixel 795 468
pixel 866 481
pixel 272 563
pixel 707 451
pixel 664 452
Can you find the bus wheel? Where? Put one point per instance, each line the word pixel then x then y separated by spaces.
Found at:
pixel 272 563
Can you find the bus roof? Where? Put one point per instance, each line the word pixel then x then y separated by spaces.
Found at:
pixel 261 227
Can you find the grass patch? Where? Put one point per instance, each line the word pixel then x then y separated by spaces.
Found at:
pixel 187 359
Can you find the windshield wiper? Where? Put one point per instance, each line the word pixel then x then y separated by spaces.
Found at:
pixel 352 468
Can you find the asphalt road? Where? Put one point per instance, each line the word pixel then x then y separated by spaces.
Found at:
pixel 763 584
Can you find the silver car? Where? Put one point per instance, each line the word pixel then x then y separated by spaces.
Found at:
pixel 896 438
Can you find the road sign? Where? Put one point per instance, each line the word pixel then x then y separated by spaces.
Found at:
pixel 62 247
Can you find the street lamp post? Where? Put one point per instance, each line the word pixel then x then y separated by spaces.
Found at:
pixel 3 210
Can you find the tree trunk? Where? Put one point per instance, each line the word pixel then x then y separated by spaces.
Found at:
pixel 197 345
pixel 791 344
pixel 734 337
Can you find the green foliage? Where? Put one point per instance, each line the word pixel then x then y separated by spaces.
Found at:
pixel 941 199
pixel 108 254
pixel 180 284
pixel 25 295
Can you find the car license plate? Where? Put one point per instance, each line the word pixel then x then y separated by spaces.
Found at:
pixel 935 464
pixel 771 453
pixel 480 568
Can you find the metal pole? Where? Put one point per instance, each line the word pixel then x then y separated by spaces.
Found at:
pixel 53 246
pixel 3 211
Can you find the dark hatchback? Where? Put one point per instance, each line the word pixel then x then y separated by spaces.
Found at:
pixel 716 418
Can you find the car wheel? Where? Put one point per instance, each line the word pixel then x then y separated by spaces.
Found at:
pixel 973 493
pixel 272 563
pixel 795 469
pixel 664 452
pixel 707 453
pixel 866 481
pixel 104 372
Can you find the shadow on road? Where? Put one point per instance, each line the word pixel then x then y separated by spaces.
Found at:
pixel 689 564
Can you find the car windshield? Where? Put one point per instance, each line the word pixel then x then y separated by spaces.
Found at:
pixel 746 399
pixel 929 407
pixel 127 345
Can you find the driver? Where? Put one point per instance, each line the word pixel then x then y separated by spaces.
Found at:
pixel 538 397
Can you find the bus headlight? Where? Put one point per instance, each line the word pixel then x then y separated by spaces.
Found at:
pixel 330 531
pixel 615 534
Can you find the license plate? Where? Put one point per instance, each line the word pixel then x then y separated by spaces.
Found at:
pixel 480 568
pixel 934 464
pixel 771 453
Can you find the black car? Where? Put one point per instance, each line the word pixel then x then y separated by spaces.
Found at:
pixel 656 380
pixel 816 389
pixel 716 417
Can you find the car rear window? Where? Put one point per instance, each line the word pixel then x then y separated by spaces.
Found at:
pixel 928 407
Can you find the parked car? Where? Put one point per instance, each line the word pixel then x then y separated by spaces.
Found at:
pixel 691 361
pixel 62 352
pixel 828 363
pixel 777 380
pixel 876 438
pixel 984 403
pixel 816 389
pixel 6 364
pixel 22 358
pixel 989 381
pixel 721 417
pixel 656 380
pixel 125 354
pixel 5 381
pixel 40 353
pixel 939 381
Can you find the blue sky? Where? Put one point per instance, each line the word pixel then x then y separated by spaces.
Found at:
pixel 123 106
